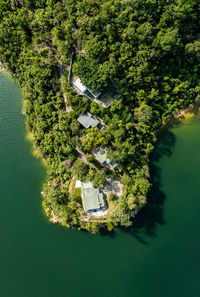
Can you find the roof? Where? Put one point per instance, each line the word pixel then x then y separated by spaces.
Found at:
pixel 101 156
pixel 88 120
pixel 79 85
pixel 97 95
pixel 92 198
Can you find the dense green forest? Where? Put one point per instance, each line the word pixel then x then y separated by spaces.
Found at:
pixel 148 50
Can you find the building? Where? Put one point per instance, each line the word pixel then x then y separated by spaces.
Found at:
pixel 104 98
pixel 101 156
pixel 83 89
pixel 89 121
pixel 78 84
pixel 92 199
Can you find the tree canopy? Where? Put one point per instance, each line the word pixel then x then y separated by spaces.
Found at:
pixel 147 52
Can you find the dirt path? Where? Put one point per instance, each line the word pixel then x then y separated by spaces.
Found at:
pixel 114 186
pixel 82 156
pixel 68 108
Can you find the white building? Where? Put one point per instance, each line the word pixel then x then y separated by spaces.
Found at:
pixel 78 84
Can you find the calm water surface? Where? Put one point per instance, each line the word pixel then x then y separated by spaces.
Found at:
pixel 159 257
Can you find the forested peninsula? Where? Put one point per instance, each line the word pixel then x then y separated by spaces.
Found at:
pixel 71 58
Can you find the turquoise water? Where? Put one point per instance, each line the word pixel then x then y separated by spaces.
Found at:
pixel 159 257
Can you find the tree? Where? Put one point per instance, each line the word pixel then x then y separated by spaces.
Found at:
pixel 99 179
pixel 80 169
pixel 170 40
pixel 143 113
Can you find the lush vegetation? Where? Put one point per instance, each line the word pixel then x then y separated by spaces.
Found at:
pixel 149 50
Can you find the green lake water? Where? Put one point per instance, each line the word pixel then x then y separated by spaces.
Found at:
pixel 159 257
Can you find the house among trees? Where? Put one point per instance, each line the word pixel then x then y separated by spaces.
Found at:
pixel 89 121
pixel 78 84
pixel 83 89
pixel 101 156
pixel 92 199
pixel 104 99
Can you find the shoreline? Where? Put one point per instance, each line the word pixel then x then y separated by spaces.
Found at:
pixel 35 152
pixel 182 114
pixel 191 111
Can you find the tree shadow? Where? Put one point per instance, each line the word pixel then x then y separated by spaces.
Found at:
pixel 152 215
pixel 164 146
pixel 105 232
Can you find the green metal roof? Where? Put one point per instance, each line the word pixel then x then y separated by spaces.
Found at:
pixel 101 156
pixel 91 197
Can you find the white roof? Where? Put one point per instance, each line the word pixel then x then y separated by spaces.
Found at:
pixel 79 85
pixel 78 184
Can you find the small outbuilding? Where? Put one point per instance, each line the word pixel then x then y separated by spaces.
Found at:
pixel 89 121
pixel 101 155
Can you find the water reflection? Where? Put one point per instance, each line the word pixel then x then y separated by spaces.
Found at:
pixel 152 215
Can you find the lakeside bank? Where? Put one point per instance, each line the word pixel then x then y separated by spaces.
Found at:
pixel 37 153
pixel 41 259
pixel 184 113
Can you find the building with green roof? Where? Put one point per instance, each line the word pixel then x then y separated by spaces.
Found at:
pixel 92 198
pixel 101 156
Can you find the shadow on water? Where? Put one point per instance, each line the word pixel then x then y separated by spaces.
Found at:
pixel 152 215
pixel 164 146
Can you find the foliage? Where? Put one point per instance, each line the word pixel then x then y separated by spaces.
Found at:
pixel 147 51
